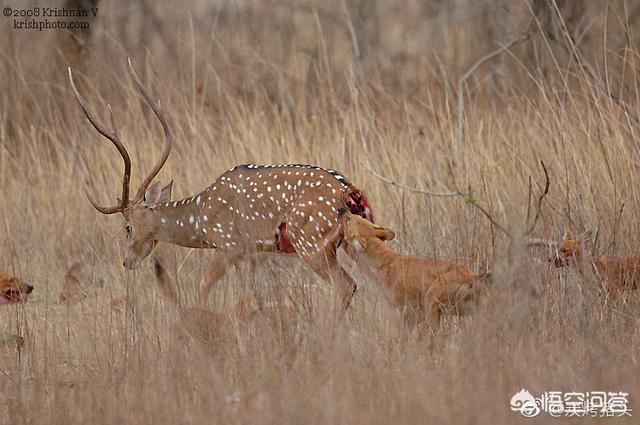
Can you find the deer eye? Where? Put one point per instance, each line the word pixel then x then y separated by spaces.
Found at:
pixel 128 229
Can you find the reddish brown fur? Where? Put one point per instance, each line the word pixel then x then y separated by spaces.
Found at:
pixel 13 289
pixel 210 327
pixel 618 273
pixel 422 288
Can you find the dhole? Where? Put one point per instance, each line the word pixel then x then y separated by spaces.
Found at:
pixel 13 289
pixel 207 326
pixel 421 288
pixel 617 273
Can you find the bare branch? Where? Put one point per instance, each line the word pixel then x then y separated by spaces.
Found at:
pixel 468 199
pixel 544 193
pixel 473 68
pixel 416 190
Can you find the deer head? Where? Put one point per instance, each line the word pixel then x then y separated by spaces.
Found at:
pixel 140 228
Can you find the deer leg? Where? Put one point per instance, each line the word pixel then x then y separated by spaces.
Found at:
pixel 325 265
pixel 222 260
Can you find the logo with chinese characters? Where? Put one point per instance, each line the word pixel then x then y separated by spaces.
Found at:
pixel 579 404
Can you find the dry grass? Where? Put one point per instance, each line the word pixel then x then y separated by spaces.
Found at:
pixel 238 90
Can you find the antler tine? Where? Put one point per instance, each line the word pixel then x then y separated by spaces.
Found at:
pixel 167 133
pixel 539 201
pixel 113 138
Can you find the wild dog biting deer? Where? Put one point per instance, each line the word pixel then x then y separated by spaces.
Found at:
pixel 421 288
pixel 616 273
pixel 291 208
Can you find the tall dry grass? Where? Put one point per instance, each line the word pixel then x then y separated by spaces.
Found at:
pixel 279 83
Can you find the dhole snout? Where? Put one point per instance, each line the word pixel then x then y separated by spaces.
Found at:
pixel 13 289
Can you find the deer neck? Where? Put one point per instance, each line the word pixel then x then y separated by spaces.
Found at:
pixel 180 223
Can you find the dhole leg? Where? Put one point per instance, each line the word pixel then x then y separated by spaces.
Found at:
pixel 221 262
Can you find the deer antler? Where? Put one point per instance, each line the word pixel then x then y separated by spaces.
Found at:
pixel 157 110
pixel 113 138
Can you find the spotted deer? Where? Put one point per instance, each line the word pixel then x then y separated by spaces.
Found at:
pixel 251 208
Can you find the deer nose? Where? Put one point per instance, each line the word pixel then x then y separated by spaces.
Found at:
pixel 29 289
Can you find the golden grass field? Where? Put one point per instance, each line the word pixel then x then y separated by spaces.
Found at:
pixel 279 83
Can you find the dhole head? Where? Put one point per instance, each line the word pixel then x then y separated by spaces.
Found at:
pixel 359 231
pixel 13 289
pixel 568 250
pixel 140 227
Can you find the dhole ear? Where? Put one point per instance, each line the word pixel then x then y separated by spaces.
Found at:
pixel 384 234
pixel 568 234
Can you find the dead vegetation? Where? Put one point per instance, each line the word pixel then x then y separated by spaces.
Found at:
pixel 351 85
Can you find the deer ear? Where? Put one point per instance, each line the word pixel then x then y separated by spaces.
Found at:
pixel 165 194
pixel 384 234
pixel 156 194
pixel 152 194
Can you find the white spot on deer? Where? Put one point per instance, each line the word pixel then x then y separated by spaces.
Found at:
pixel 268 188
pixel 191 219
pixel 205 218
pixel 198 200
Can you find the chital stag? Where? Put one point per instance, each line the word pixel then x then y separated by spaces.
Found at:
pixel 251 208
